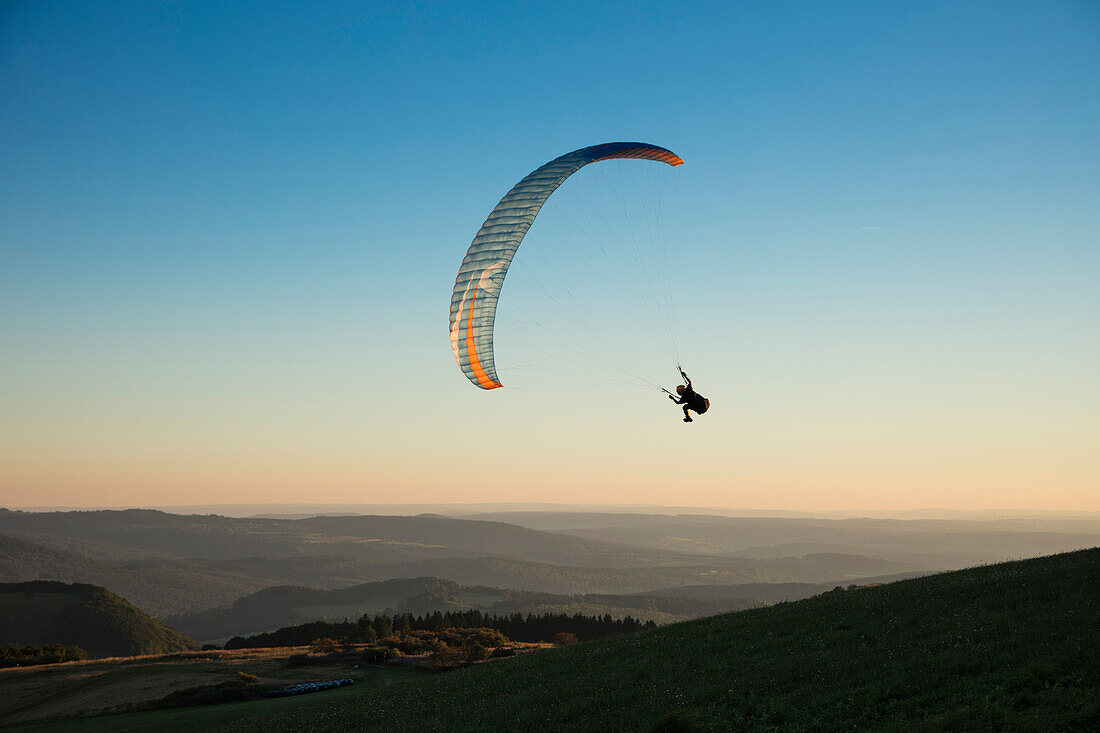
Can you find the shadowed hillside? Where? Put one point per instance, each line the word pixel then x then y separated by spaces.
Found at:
pixel 1005 647
pixel 86 616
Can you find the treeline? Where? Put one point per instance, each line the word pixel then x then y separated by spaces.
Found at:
pixel 18 655
pixel 516 626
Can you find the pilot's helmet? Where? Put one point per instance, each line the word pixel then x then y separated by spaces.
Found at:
pixel 680 389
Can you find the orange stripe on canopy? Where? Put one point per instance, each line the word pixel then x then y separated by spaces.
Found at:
pixel 483 379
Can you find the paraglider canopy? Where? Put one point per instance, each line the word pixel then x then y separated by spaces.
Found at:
pixel 481 275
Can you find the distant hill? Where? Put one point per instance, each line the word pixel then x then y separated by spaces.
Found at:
pixel 274 608
pixel 113 535
pixel 86 616
pixel 929 543
pixel 280 606
pixel 158 587
pixel 174 587
pixel 170 564
pixel 1004 647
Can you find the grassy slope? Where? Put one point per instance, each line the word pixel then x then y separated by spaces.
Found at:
pixel 1005 647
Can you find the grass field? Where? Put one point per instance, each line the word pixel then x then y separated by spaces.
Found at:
pixel 1009 647
pixel 210 717
pixel 61 691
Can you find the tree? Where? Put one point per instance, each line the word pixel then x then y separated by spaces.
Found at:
pixel 383 626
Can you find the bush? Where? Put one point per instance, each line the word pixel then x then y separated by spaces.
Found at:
pixel 476 652
pixel 446 657
pixel 413 644
pixel 564 638
pixel 247 678
pixel 489 637
pixel 14 655
pixel 324 646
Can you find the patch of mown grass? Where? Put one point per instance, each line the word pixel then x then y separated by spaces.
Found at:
pixel 210 716
pixel 1009 647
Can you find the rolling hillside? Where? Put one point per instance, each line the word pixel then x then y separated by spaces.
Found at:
pixel 92 618
pixel 171 564
pixel 173 587
pixel 1005 647
pixel 276 607
pixel 1008 647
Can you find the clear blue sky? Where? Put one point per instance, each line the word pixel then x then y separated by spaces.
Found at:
pixel 228 234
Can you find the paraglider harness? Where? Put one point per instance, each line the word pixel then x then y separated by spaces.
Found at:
pixel 688 397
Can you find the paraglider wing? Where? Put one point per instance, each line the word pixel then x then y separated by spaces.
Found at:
pixel 481 275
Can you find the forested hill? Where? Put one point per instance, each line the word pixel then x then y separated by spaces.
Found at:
pixel 1003 647
pixel 180 586
pixel 86 616
pixel 277 607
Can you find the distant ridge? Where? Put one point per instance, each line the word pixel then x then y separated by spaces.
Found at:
pixel 467 510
